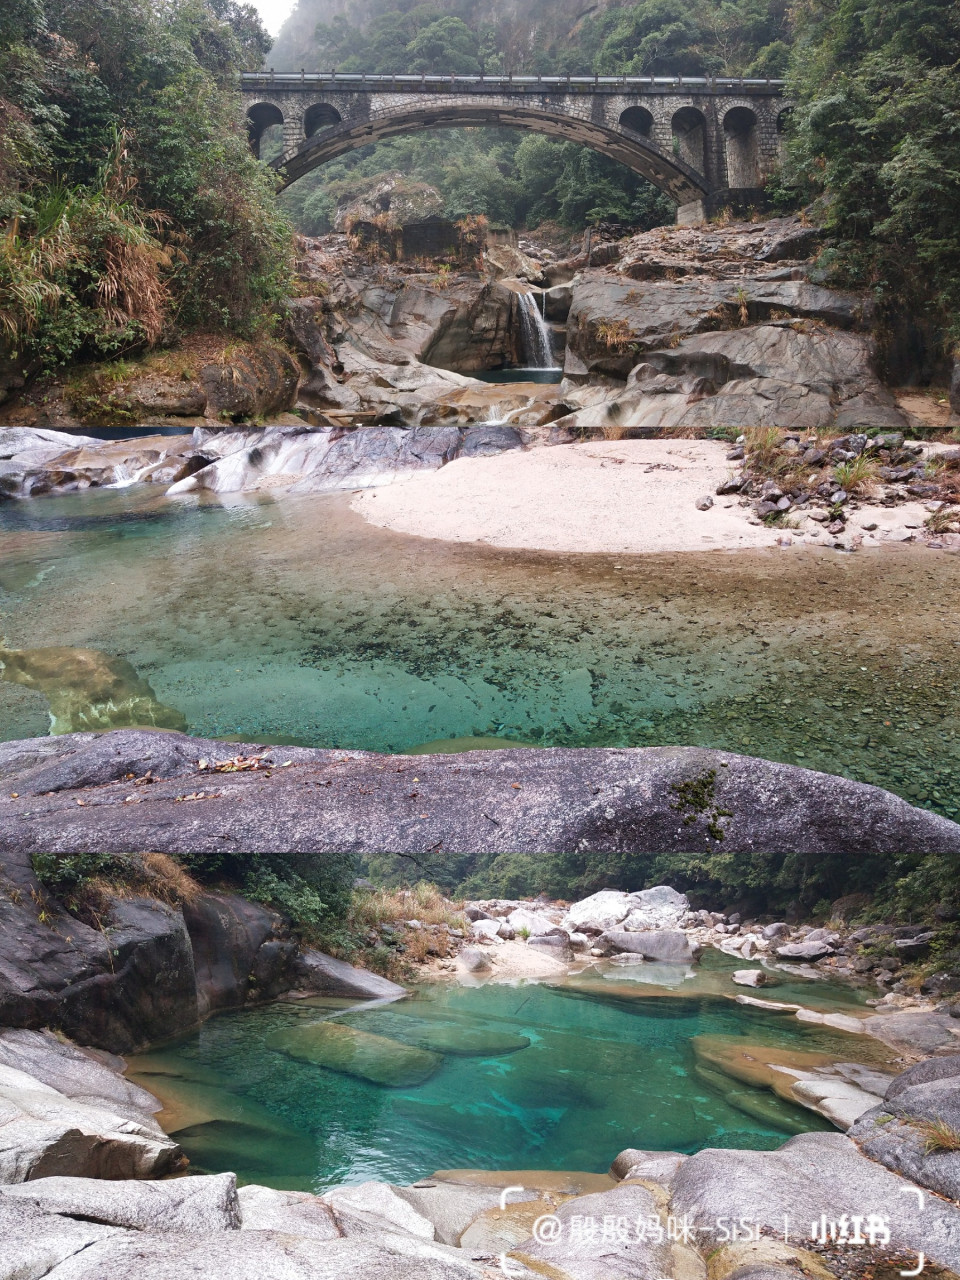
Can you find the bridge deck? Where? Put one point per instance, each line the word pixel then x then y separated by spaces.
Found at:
pixel 310 82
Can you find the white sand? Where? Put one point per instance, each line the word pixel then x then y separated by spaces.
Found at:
pixel 628 496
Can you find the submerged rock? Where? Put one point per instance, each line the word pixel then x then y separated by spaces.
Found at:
pixel 358 1053
pixel 87 689
pixel 466 1042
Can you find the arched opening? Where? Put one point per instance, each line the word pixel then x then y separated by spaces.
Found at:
pixel 742 148
pixel 638 120
pixel 689 137
pixel 261 117
pixel 318 117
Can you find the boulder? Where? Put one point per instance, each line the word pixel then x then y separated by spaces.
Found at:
pixel 295 1213
pixel 814 1174
pixel 554 944
pixel 814 813
pixel 358 1053
pixel 650 1166
pixel 485 930
pixel 368 1207
pixel 44 1134
pixel 808 952
pixel 534 923
pixel 452 1207
pixel 180 1204
pixel 600 911
pixel 582 1256
pixel 750 977
pixel 329 977
pixel 78 1074
pixel 657 908
pixel 931 1070
pixel 473 960
pixel 670 945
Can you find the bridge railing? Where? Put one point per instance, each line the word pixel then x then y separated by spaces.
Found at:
pixel 312 81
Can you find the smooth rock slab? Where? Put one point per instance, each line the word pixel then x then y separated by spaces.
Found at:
pixel 812 1174
pixel 776 808
pixel 331 977
pixel 294 1212
pixel 358 1053
pixel 206 1203
pixel 370 1206
pixel 262 1255
pixel 466 1042
pixel 581 1257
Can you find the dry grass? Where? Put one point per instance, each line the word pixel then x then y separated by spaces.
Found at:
pixel 938 1136
pixel 153 875
pixel 616 335
pixel 945 519
pixel 762 448
pixel 424 902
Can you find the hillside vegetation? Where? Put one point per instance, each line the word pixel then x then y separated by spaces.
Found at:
pixel 131 208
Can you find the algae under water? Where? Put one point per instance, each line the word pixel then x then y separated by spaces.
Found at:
pixel 294 620
pixel 544 1077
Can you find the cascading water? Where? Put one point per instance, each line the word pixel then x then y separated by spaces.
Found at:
pixel 537 338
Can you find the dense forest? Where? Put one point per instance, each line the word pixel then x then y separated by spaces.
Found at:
pixel 131 208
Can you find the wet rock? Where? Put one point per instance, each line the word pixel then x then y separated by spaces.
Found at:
pixel 181 1204
pixel 358 1053
pixel 322 973
pixel 463 1042
pixel 87 689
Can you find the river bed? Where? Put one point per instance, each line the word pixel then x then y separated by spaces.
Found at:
pixel 295 620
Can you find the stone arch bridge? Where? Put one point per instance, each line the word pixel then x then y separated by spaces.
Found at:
pixel 705 143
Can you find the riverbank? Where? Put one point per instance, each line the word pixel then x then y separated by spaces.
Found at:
pixel 629 496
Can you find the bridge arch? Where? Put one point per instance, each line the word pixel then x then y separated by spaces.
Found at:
pixel 352 129
pixel 637 120
pixel 741 147
pixel 689 128
pixel 318 116
pixel 262 116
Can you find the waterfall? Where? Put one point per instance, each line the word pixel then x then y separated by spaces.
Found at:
pixel 537 339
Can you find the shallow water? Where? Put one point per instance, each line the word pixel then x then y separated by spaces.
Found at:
pixel 598 1075
pixel 295 620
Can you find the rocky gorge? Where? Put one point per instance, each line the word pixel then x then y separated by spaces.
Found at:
pixel 86 1187
pixel 723 339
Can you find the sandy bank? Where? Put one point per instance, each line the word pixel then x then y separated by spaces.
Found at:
pixel 628 496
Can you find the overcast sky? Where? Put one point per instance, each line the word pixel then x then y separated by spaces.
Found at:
pixel 274 13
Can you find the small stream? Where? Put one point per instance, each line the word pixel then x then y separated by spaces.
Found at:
pixel 529 1076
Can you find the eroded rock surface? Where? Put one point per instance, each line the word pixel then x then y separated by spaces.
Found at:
pixel 614 799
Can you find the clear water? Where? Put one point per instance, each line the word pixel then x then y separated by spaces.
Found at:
pixel 601 1073
pixel 297 621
